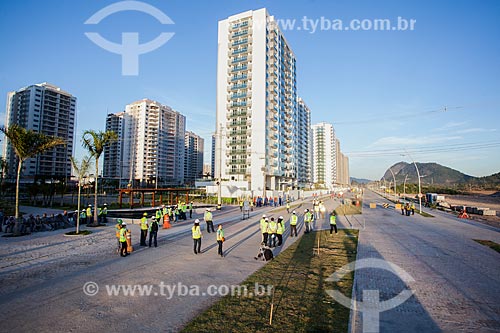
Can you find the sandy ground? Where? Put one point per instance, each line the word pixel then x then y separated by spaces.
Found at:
pixel 488 199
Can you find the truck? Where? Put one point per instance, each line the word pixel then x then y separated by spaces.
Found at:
pixel 434 198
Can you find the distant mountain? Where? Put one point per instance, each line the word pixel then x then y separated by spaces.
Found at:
pixel 355 180
pixel 430 173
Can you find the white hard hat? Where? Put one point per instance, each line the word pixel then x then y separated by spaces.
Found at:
pixel 281 217
pixel 196 221
pixel 124 223
pixel 264 215
pixel 293 212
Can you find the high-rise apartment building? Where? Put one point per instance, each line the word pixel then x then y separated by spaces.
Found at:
pixel 304 145
pixel 152 144
pixel 324 155
pixel 193 157
pixel 47 109
pixel 112 155
pixel 343 177
pixel 256 103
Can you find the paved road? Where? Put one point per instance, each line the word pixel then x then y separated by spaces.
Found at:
pixel 457 280
pixel 43 275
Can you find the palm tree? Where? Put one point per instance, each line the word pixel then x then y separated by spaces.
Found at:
pixel 95 142
pixel 81 170
pixel 27 144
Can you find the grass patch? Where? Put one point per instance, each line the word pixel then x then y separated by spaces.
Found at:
pixel 424 214
pixel 349 209
pixel 300 301
pixel 490 244
pixel 81 233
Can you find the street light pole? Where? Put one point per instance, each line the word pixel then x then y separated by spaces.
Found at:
pixel 419 185
pixel 404 188
pixel 394 177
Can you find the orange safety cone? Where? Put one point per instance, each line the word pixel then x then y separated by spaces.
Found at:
pixel 129 242
pixel 166 221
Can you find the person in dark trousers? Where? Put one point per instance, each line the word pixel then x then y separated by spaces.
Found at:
pixel 196 231
pixel 123 240
pixel 293 224
pixel 333 222
pixel 209 220
pixel 280 230
pixel 191 210
pixel 144 228
pixel 153 231
pixel 220 239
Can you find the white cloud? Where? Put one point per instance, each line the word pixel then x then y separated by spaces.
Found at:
pixel 413 140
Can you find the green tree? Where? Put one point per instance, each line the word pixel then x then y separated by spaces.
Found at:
pixel 81 171
pixel 27 144
pixel 95 142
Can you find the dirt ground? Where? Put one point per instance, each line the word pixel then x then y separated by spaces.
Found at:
pixel 489 199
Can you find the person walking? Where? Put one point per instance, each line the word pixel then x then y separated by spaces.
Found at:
pixel 220 239
pixel 191 210
pixel 118 227
pixel 144 228
pixel 105 213
pixel 272 231
pixel 264 228
pixel 280 230
pixel 209 220
pixel 288 207
pixel 293 224
pixel 333 222
pixel 153 231
pixel 196 231
pixel 307 220
pixel 123 240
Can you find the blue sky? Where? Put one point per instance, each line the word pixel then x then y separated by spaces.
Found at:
pixel 433 92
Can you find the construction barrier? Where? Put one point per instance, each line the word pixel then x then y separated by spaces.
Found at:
pixel 166 221
pixel 386 205
pixel 373 205
pixel 129 242
pixel 398 206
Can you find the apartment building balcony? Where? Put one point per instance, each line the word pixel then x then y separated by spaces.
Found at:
pixel 240 33
pixel 237 143
pixel 237 123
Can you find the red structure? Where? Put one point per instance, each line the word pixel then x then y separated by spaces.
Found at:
pixel 159 196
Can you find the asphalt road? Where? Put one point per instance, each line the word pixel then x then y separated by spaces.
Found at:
pixel 456 281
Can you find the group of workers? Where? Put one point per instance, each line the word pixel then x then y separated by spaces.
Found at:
pixel 407 209
pixel 87 215
pixel 272 229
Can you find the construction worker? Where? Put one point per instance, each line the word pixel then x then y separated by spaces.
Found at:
pixel 288 207
pixel 333 222
pixel 83 216
pixel 105 213
pixel 209 220
pixel 280 230
pixel 322 209
pixel 89 214
pixel 272 231
pixel 191 210
pixel 153 231
pixel 196 231
pixel 241 205
pixel 118 227
pixel 99 215
pixel 158 214
pixel 164 211
pixel 144 228
pixel 263 228
pixel 183 210
pixel 316 210
pixel 293 224
pixel 412 208
pixel 123 240
pixel 220 239
pixel 307 220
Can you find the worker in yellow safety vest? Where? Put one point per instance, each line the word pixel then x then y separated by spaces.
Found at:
pixel 263 228
pixel 123 240
pixel 280 230
pixel 308 216
pixel 89 214
pixel 144 228
pixel 118 227
pixel 209 220
pixel 196 231
pixel 412 208
pixel 293 224
pixel 333 222
pixel 272 229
